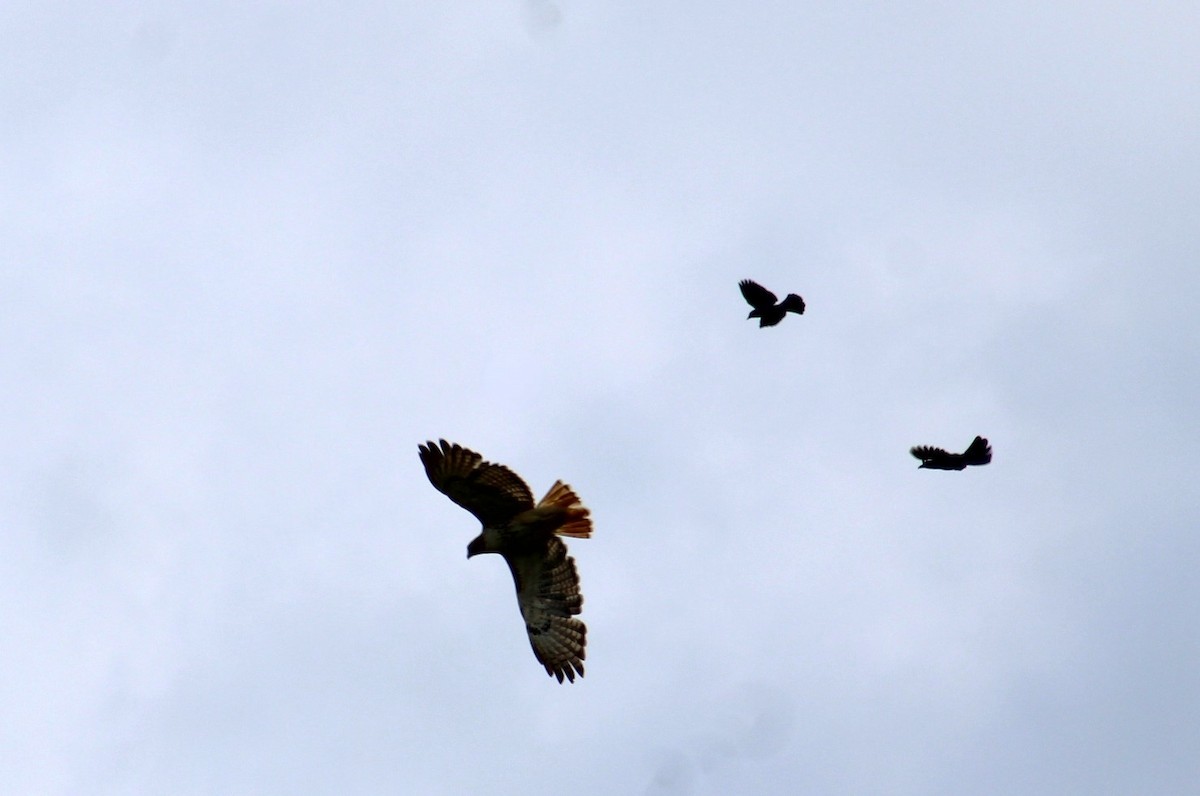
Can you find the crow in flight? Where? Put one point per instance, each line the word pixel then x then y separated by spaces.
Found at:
pixel 768 309
pixel 978 452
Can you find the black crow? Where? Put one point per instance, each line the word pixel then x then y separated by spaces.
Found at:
pixel 768 309
pixel 977 453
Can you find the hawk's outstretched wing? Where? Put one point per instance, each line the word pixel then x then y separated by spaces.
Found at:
pixel 492 492
pixel 548 594
pixel 756 295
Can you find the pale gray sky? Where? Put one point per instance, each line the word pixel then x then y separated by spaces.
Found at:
pixel 253 254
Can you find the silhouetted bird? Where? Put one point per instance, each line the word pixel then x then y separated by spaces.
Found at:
pixel 768 309
pixel 978 452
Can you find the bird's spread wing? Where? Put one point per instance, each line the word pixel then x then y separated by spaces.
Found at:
pixel 492 492
pixel 978 452
pixel 548 594
pixel 756 295
pixel 929 454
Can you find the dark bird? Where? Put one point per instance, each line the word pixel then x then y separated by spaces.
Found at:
pixel 768 309
pixel 979 452
pixel 527 536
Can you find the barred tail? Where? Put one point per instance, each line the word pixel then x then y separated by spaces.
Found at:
pixel 578 524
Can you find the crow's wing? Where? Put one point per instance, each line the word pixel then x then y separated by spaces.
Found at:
pixel 756 295
pixel 978 452
pixel 927 453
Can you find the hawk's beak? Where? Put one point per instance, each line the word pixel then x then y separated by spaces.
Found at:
pixel 475 547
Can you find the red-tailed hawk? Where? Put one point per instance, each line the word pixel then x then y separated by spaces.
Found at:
pixel 768 309
pixel 527 536
pixel 977 453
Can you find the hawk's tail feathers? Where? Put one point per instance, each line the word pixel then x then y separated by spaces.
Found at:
pixel 578 523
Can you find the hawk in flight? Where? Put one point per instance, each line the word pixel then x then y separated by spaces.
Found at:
pixel 768 309
pixel 977 453
pixel 527 536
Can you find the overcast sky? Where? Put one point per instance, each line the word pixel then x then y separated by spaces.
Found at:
pixel 252 254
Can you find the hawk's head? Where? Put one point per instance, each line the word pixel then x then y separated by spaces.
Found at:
pixel 486 542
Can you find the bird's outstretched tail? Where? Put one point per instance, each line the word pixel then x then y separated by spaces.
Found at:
pixel 579 523
pixel 793 303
